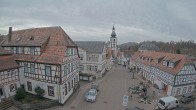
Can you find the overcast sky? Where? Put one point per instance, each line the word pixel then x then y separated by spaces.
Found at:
pixel 135 20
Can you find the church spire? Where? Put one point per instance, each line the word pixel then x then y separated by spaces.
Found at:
pixel 113 32
pixel 113 29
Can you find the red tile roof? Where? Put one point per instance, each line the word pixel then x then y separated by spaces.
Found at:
pixel 56 40
pixel 183 60
pixel 7 62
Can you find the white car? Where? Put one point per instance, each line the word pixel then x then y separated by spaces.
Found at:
pixel 91 95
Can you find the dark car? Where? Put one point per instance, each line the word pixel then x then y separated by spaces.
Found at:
pixel 187 98
pixel 95 86
pixel 134 108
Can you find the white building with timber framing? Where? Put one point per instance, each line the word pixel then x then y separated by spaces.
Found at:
pixel 48 58
pixel 9 75
pixel 174 73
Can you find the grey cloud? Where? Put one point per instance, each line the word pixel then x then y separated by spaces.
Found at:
pixel 136 20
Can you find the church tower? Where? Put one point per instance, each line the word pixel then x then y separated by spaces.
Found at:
pixel 113 41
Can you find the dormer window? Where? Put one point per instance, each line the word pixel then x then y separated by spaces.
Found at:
pixel 171 64
pixel 159 59
pixel 165 63
pixel 149 59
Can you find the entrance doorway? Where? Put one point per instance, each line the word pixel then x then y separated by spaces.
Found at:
pixel 1 92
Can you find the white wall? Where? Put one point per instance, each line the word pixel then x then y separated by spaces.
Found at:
pixel 44 86
pixel 175 89
pixel 8 93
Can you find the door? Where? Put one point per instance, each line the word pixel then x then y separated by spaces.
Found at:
pixel 1 94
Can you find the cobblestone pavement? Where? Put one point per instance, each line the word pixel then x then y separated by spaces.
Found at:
pixel 110 97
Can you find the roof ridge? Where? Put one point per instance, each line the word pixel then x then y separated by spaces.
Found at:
pixel 38 28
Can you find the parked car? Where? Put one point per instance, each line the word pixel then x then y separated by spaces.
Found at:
pixel 134 108
pixel 91 95
pixel 95 86
pixel 187 98
pixel 169 102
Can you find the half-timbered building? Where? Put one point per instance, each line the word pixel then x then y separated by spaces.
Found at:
pixel 92 57
pixel 174 73
pixel 9 75
pixel 48 58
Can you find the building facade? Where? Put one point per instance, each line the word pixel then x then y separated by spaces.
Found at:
pixel 92 57
pixel 109 58
pixel 173 73
pixel 48 58
pixel 9 75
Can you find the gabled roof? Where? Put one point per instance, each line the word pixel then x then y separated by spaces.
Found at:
pixel 7 62
pixel 183 60
pixel 55 39
pixel 91 46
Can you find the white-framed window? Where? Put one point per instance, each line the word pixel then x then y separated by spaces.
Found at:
pixel 13 87
pixel 29 86
pixel 9 73
pixel 178 91
pixel 32 50
pixel 114 40
pixel 22 50
pixel 72 51
pixel 89 67
pixel 165 63
pixel 171 64
pixel 13 73
pixel 50 91
pixel 81 67
pixel 184 90
pixel 48 70
pixel 32 68
pixel 12 49
pixel 96 57
pixel 189 88
pixel 65 70
pixel 89 58
pixel 17 50
pixel 26 67
pixel 96 68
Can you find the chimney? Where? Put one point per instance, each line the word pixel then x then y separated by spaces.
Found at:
pixel 10 34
